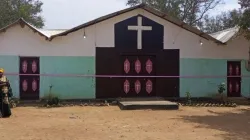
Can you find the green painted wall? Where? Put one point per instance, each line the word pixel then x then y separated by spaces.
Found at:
pixel 65 87
pixel 84 87
pixel 11 65
pixel 203 87
pixel 68 87
pixel 245 81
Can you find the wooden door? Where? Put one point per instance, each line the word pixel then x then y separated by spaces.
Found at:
pixel 29 84
pixel 138 86
pixel 234 83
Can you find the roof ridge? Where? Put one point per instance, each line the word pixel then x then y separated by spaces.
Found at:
pixel 40 31
pixel 149 9
pixel 224 30
pixel 155 12
pixel 53 29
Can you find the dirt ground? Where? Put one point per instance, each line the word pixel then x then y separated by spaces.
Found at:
pixel 110 123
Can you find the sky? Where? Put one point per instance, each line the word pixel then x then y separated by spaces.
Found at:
pixel 66 14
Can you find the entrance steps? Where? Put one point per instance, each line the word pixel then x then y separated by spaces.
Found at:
pixel 146 103
pixel 142 99
pixel 240 100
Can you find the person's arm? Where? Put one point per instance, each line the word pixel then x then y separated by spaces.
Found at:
pixel 3 84
pixel 10 89
pixel 7 83
pixel 10 92
pixel 1 94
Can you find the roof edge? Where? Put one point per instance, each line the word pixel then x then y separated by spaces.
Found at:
pixel 145 7
pixel 181 24
pixel 224 30
pixel 100 19
pixel 150 10
pixel 236 31
pixel 22 23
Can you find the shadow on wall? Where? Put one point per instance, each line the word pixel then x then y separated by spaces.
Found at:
pixel 236 125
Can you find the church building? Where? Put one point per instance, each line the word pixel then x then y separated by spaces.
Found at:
pixel 135 52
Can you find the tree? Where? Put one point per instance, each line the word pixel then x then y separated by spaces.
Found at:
pixel 189 11
pixel 245 20
pixel 11 10
pixel 245 23
pixel 220 22
pixel 244 3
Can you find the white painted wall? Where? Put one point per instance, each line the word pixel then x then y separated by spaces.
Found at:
pixel 189 43
pixel 174 38
pixel 23 41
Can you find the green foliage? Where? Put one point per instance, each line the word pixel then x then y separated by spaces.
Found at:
pixel 189 11
pixel 220 22
pixel 188 97
pixel 244 3
pixel 245 20
pixel 51 99
pixel 221 88
pixel 11 10
pixel 167 6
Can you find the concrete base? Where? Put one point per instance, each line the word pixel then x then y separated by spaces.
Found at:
pixel 155 105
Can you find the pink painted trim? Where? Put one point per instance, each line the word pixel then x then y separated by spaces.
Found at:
pixel 121 76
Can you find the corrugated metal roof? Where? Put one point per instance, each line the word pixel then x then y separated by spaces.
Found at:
pixel 225 35
pixel 50 32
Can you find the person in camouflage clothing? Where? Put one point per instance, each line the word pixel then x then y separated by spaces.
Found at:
pixel 5 94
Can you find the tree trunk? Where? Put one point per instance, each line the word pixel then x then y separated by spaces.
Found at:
pixel 248 62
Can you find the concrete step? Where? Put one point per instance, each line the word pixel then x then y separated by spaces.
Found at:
pixel 141 99
pixel 154 105
pixel 240 100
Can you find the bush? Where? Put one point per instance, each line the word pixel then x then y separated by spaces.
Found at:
pixel 221 88
pixel 188 97
pixel 51 99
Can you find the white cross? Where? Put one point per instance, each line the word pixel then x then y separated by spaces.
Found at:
pixel 139 30
pixel 149 86
pixel 126 87
pixel 149 65
pixel 137 87
pixel 138 66
pixel 237 70
pixel 237 87
pixel 126 66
